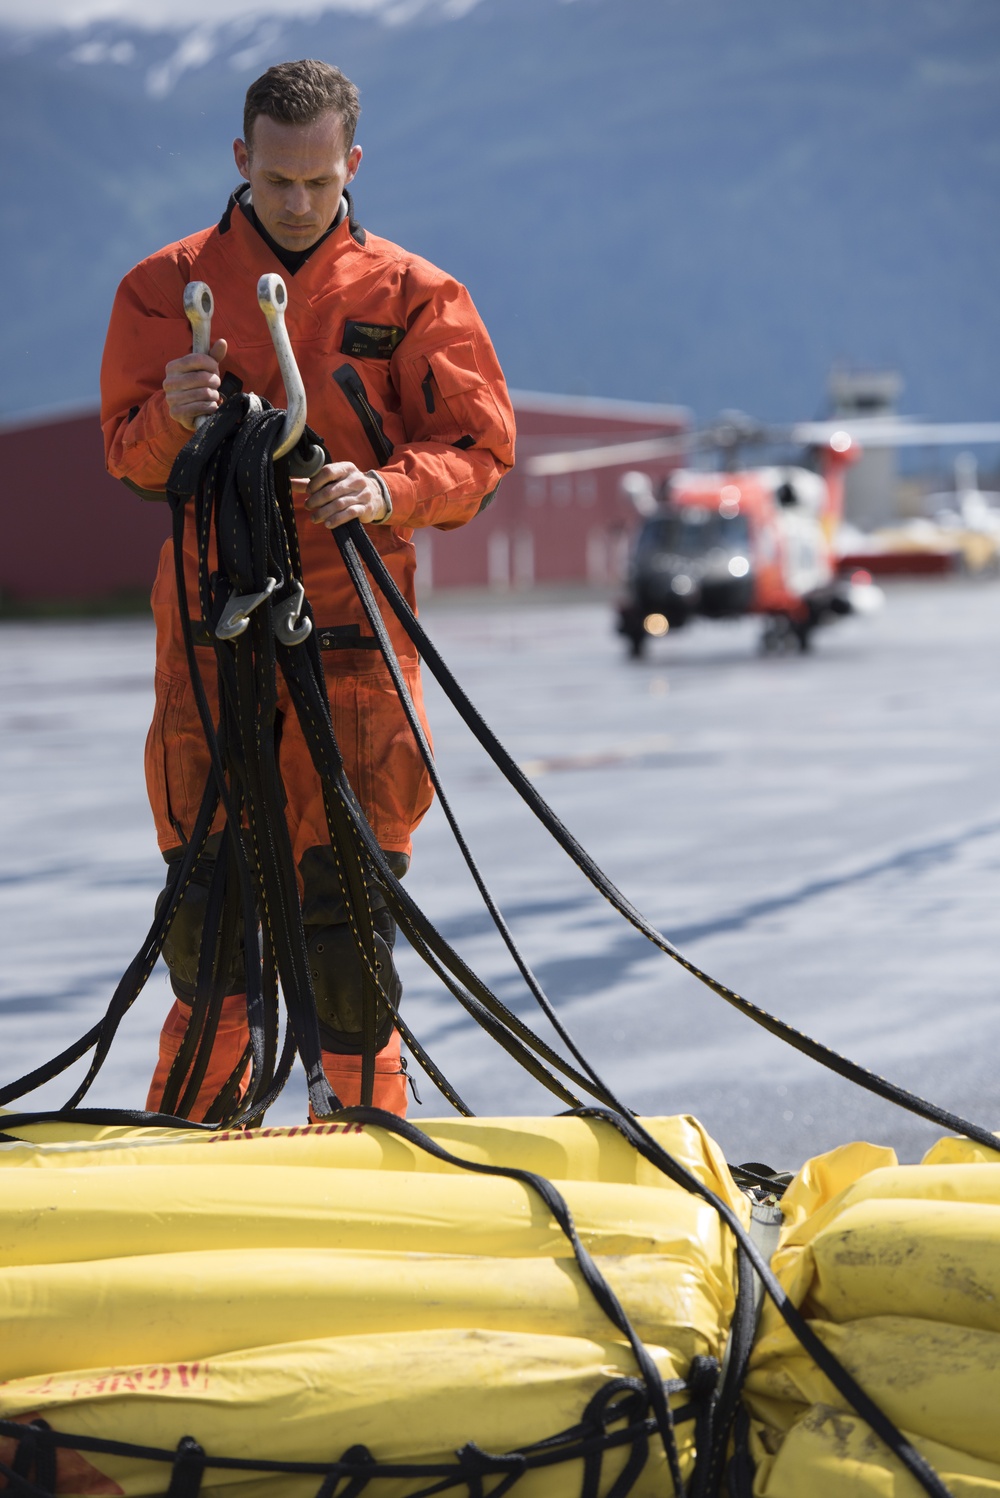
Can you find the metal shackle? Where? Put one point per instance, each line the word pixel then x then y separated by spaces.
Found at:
pixel 272 298
pixel 199 306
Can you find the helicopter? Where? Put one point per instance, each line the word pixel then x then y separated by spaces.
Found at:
pixel 737 540
pixel 721 545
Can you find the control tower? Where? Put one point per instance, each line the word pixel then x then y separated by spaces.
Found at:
pixel 870 490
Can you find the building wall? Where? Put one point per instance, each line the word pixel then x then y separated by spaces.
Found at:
pixel 71 532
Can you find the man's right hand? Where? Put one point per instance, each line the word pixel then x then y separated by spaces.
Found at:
pixel 191 385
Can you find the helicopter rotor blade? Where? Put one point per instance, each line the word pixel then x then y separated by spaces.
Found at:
pixel 734 430
pixel 879 431
pixel 729 432
pixel 583 459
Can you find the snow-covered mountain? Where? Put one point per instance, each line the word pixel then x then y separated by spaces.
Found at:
pixel 703 201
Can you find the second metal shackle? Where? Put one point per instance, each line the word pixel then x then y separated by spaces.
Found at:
pixel 272 298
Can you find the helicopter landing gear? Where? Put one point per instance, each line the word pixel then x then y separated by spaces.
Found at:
pixel 782 635
pixel 631 626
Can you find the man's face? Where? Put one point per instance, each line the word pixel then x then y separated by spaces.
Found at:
pixel 297 173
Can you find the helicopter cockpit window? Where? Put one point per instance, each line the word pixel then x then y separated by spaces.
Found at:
pixel 734 531
pixel 691 530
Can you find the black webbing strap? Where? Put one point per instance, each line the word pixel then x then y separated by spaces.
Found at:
pixel 727 1400
pixel 724 1401
pixel 348 823
pixel 203 469
pixel 188 1469
pixel 776 1183
pixel 132 983
pixel 845 1384
pixel 512 772
pixel 189 1461
pixel 302 669
pixel 709 1458
pixel 358 1456
pixel 879 1423
pixel 239 499
pixel 35 1458
pixel 19 1486
pixel 196 1045
pixel 227 470
pixel 345 542
pixel 620 1400
pixel 740 1471
pixel 598 1286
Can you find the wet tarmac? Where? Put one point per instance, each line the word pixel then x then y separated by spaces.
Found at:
pixel 821 833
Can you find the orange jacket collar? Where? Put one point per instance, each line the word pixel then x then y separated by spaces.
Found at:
pixel 240 239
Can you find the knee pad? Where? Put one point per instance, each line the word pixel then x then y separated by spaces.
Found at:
pixel 182 944
pixel 322 895
pixel 338 982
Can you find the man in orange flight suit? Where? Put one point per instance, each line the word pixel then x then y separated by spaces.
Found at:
pixel 403 384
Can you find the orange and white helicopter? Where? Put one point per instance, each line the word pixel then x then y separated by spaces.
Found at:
pixel 739 541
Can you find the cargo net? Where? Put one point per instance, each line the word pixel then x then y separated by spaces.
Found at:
pixel 614 1420
pixel 242 510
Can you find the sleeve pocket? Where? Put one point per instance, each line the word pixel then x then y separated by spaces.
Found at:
pixel 461 405
pixel 455 370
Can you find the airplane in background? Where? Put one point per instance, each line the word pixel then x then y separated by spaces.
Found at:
pixel 748 540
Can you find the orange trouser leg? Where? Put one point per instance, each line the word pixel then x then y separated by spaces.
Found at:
pixel 344 1075
pixel 230 1040
pixel 384 768
pixel 342 1072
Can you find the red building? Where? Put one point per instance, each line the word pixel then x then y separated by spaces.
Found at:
pixel 72 533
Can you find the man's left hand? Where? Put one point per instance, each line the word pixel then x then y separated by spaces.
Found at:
pixel 341 492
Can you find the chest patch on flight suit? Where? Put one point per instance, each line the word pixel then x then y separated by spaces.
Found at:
pixel 369 340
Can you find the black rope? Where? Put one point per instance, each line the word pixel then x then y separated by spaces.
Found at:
pixel 512 772
pixel 188 1469
pixel 846 1385
pixel 352 562
pixel 227 469
pixel 19 1486
pixel 619 1400
pixel 728 1399
pixel 132 983
pixel 775 1183
pixel 655 1392
pixel 348 824
pixel 598 1286
pixel 202 1028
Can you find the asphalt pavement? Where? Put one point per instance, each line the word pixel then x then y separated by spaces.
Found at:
pixel 821 833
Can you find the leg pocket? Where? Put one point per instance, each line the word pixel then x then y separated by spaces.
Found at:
pixel 401 787
pixel 162 732
pixel 177 762
pixel 381 760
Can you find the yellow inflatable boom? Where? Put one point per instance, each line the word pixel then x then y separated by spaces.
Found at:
pixel 897 1269
pixel 313 1312
pixel 288 1295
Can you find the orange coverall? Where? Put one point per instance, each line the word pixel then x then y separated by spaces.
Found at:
pixel 400 376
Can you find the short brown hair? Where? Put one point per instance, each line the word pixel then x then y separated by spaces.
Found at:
pixel 297 93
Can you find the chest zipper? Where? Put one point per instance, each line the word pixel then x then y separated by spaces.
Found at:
pixel 352 385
